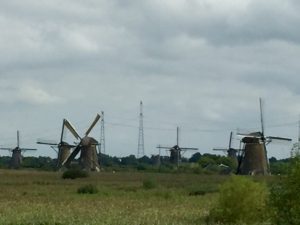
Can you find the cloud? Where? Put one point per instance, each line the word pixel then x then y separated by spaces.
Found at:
pixel 26 92
pixel 199 64
pixel 35 95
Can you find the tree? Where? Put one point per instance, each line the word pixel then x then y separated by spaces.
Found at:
pixel 195 157
pixel 206 161
pixel 129 160
pixel 285 198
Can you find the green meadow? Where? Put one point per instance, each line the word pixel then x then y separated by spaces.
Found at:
pixel 31 197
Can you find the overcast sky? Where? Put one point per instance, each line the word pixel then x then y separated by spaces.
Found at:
pixel 198 64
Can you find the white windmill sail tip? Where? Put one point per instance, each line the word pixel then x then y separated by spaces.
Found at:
pixel 93 124
pixel 71 128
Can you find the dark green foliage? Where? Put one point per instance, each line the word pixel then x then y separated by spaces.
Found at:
pixel 195 193
pixel 213 164
pixel 129 160
pixel 145 160
pixel 149 184
pixel 42 163
pixel 280 166
pixel 207 160
pixel 195 157
pixel 4 161
pixel 75 173
pixel 88 189
pixel 241 201
pixel 141 167
pixel 285 198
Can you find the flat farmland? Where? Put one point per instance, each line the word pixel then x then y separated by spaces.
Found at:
pixel 31 197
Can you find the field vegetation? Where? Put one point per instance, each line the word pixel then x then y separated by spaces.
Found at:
pixel 195 193
pixel 32 197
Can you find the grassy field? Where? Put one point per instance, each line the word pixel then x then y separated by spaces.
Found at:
pixel 31 197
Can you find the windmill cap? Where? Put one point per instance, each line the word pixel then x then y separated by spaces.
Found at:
pixel 86 141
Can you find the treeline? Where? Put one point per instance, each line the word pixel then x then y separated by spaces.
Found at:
pixel 197 163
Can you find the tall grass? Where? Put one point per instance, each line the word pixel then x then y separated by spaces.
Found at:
pixel 30 197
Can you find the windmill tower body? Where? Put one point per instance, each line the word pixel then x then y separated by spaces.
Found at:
pixel 255 159
pixel 88 157
pixel 64 151
pixel 175 155
pixel 16 159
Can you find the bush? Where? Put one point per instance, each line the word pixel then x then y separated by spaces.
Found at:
pixel 285 198
pixel 74 173
pixel 87 189
pixel 202 190
pixel 149 184
pixel 241 201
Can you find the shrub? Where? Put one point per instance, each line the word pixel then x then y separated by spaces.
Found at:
pixel 74 173
pixel 88 189
pixel 285 198
pixel 241 201
pixel 141 167
pixel 202 190
pixel 149 184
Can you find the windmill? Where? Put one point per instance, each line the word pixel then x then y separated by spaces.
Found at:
pixel 231 152
pixel 87 148
pixel 16 158
pixel 175 151
pixel 64 149
pixel 252 157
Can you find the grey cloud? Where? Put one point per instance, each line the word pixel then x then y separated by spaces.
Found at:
pixel 198 64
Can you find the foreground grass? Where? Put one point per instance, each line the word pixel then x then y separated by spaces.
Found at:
pixel 30 197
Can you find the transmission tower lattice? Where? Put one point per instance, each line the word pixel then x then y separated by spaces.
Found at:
pixel 102 135
pixel 141 149
pixel 295 151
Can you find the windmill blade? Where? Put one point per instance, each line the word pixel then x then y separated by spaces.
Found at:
pixel 177 136
pixel 28 149
pixel 68 145
pixel 164 147
pixel 92 125
pixel 261 116
pixel 7 149
pixel 271 138
pixel 18 138
pixel 46 142
pixel 62 131
pixel 54 148
pixel 220 149
pixel 189 148
pixel 72 156
pixel 71 129
pixel 230 140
